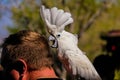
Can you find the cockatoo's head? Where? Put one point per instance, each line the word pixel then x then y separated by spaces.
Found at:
pixel 56 20
pixel 55 35
pixel 53 30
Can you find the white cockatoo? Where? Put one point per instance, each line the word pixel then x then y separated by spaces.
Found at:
pixel 73 59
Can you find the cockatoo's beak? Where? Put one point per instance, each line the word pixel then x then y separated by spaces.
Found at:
pixel 54 41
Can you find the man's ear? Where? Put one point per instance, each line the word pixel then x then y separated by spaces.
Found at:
pixel 20 66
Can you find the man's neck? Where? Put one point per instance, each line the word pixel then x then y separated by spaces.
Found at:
pixel 43 73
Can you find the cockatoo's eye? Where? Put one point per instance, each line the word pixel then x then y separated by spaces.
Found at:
pixel 58 35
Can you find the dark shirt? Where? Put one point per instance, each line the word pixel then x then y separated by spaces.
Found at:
pixel 49 79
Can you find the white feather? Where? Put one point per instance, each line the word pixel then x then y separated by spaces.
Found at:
pixel 70 20
pixel 60 13
pixel 42 12
pixel 63 18
pixel 48 15
pixel 54 12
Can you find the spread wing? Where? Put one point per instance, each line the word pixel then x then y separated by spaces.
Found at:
pixel 77 63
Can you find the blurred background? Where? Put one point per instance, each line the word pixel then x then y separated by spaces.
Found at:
pixel 96 22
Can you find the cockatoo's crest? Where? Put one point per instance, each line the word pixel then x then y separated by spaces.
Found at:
pixel 55 19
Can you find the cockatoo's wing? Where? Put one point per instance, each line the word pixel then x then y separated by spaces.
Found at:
pixel 55 18
pixel 74 60
pixel 78 64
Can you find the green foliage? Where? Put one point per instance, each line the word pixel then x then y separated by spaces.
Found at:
pixel 117 75
pixel 27 16
pixel 13 29
pixel 91 42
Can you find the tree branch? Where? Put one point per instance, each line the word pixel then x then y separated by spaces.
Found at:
pixel 91 20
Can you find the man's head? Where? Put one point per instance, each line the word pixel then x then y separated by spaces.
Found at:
pixel 25 50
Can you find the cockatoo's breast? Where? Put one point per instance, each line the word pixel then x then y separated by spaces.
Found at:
pixel 67 41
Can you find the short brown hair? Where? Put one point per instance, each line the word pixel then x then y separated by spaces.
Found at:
pixel 27 45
